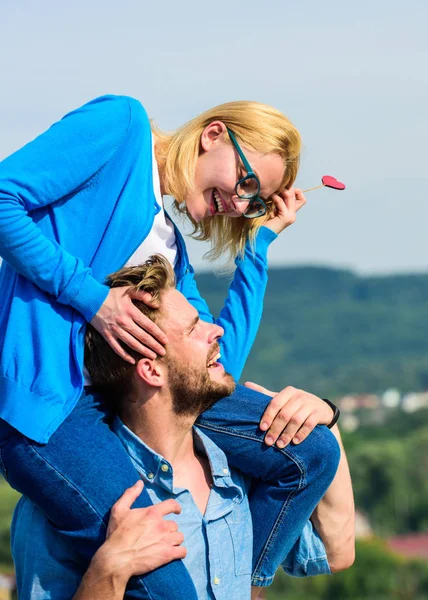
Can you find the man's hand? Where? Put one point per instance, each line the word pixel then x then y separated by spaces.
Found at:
pixel 140 540
pixel 291 415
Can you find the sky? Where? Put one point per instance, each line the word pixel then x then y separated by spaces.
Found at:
pixel 352 77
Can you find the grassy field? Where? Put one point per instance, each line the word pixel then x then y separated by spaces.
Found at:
pixel 8 499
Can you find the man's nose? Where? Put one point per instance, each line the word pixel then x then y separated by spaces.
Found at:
pixel 216 333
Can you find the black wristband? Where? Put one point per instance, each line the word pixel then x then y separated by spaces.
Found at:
pixel 336 412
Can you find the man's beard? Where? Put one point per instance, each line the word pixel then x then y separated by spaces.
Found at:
pixel 193 392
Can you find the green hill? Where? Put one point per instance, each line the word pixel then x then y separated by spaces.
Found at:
pixel 333 332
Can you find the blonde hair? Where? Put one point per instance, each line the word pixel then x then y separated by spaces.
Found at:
pixel 257 126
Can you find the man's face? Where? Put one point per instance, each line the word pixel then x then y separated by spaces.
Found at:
pixel 196 379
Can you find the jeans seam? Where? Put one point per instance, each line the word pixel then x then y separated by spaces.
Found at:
pixel 302 470
pixel 301 466
pixel 3 467
pixel 31 447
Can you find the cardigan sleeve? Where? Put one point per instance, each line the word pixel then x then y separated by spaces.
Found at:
pixel 242 311
pixel 52 168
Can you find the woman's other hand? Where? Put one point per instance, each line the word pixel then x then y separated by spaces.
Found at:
pixel 286 204
pixel 119 319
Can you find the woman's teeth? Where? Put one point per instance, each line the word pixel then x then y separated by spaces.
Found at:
pixel 218 202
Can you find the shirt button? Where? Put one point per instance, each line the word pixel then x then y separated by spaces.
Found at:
pixel 216 580
pixel 165 468
pixel 151 476
pixel 226 471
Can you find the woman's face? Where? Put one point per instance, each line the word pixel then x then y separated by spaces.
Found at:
pixel 218 169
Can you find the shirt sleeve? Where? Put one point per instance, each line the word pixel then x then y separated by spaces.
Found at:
pixel 243 308
pixel 308 556
pixel 52 168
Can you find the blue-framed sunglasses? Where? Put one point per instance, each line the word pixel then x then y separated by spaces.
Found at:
pixel 248 188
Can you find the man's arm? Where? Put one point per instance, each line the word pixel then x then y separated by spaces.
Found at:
pixel 291 416
pixel 138 540
pixel 334 517
pixel 101 581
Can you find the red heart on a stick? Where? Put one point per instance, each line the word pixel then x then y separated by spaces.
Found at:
pixel 332 182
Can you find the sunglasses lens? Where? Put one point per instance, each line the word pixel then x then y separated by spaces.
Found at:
pixel 248 188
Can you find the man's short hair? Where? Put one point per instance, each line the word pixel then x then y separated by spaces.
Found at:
pixel 110 373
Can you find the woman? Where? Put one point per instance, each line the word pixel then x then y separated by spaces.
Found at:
pixel 81 201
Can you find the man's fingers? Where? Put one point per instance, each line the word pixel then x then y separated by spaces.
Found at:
pixel 176 538
pixel 275 406
pixel 308 426
pixel 259 388
pixel 167 507
pixel 178 552
pixel 167 553
pixel 293 427
pixel 286 418
pixel 128 497
pixel 173 526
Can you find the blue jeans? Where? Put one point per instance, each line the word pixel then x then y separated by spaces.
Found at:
pixel 288 483
pixel 78 475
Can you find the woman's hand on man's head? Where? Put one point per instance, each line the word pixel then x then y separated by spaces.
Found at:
pixel 119 319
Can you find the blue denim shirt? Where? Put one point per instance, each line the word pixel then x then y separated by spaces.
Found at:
pixel 219 543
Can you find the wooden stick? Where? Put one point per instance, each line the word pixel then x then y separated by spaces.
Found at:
pixel 313 188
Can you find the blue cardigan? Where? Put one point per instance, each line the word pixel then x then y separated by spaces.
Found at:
pixel 75 204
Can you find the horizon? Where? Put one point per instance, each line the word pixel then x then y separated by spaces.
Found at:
pixel 273 266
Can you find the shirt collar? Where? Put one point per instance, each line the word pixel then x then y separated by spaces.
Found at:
pixel 149 463
pixel 218 462
pixel 156 469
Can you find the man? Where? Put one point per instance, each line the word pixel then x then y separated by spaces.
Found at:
pixel 158 402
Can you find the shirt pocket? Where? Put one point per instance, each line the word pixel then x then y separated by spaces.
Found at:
pixel 241 532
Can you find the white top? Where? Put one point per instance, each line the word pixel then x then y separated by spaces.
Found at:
pixel 161 239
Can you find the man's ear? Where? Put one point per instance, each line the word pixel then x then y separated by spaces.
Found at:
pixel 212 134
pixel 151 372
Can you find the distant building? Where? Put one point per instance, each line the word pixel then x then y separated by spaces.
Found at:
pixel 349 422
pixel 363 529
pixel 347 404
pixel 415 401
pixel 412 545
pixel 7 586
pixel 391 398
pixel 354 402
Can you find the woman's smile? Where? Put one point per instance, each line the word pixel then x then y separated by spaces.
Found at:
pixel 218 203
